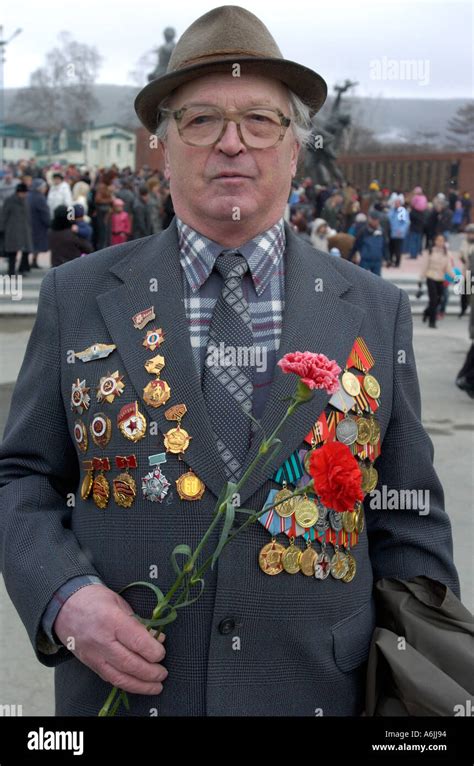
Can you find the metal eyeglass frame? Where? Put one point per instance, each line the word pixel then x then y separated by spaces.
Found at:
pixel 178 115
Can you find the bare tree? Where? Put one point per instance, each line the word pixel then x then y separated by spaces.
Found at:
pixel 60 94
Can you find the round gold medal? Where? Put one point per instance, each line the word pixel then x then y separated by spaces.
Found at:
pixel 372 479
pixel 86 485
pixel 374 431
pixel 352 568
pixel 286 508
pixel 349 521
pixel 307 458
pixel 306 513
pixel 269 558
pixel 177 440
pixel 372 386
pixel 359 519
pixel 350 383
pixel 363 430
pixel 339 565
pixel 190 486
pixel 307 561
pixel 291 559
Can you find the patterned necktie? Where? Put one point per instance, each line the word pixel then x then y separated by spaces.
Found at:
pixel 227 387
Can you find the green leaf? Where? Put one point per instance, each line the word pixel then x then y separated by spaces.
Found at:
pixel 183 550
pixel 125 700
pixel 248 511
pixel 163 620
pixel 158 593
pixel 228 521
pixel 257 422
pixel 195 598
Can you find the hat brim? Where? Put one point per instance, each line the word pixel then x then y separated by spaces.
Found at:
pixel 308 85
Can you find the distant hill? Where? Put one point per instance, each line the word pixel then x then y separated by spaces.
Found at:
pixel 392 119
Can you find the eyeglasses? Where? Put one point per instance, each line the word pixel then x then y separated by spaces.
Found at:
pixel 204 125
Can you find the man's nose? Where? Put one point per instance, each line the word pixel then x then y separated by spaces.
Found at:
pixel 230 142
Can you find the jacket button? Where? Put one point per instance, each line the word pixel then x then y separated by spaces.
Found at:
pixel 226 626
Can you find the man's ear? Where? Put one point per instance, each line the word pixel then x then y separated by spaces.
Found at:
pixel 295 153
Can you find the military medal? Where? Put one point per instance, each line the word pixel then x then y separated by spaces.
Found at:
pixel 154 338
pixel 359 518
pixel 287 507
pixel 96 351
pixel 155 364
pixel 335 519
pixel 350 383
pixel 131 422
pixel 339 564
pixel 86 485
pixel 346 430
pixel 322 564
pixel 101 429
pixel 349 521
pixel 374 430
pixel 80 435
pixel 269 558
pixel 372 386
pixel 100 485
pixel 155 485
pixel 157 392
pixel 270 519
pixel 351 568
pixel 363 431
pixel 124 486
pixel 110 386
pixel 307 560
pixel 80 399
pixel 306 512
pixel 177 439
pixel 190 486
pixel 291 470
pixel 143 317
pixel 291 558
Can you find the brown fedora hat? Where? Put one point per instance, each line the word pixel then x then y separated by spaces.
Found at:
pixel 213 43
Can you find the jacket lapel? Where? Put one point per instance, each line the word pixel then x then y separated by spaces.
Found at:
pixel 315 319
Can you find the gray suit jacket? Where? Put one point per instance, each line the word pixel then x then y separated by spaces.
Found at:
pixel 302 643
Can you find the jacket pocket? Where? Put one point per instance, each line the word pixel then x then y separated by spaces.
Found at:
pixel 352 637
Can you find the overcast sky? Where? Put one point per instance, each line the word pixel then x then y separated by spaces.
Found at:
pixel 366 40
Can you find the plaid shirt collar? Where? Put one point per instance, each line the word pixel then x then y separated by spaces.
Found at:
pixel 198 254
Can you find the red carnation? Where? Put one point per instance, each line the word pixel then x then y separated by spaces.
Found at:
pixel 337 477
pixel 314 370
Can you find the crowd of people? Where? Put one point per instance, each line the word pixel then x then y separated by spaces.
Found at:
pixel 72 210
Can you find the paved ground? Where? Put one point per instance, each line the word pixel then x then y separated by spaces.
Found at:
pixel 447 414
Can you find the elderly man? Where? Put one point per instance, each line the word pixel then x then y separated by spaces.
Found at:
pixel 227 273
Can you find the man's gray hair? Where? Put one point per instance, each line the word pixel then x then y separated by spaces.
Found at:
pixel 299 112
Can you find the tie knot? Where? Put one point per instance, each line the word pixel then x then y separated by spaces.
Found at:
pixel 231 264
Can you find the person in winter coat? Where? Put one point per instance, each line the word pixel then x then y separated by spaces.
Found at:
pixel 439 220
pixel 17 227
pixel 141 215
pixel 399 222
pixel 465 376
pixel 40 217
pixel 436 263
pixel 64 242
pixel 319 234
pixel 59 193
pixel 121 224
pixel 371 244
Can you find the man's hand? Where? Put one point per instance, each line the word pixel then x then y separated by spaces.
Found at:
pixel 111 641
